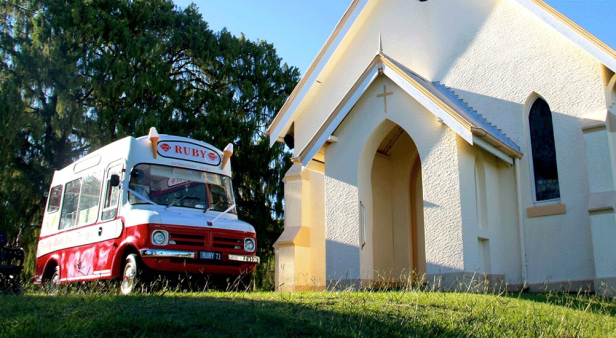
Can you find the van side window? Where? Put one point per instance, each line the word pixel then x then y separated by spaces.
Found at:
pixel 55 197
pixel 112 194
pixel 81 200
pixel 89 198
pixel 71 201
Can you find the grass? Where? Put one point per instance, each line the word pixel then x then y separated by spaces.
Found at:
pixel 91 313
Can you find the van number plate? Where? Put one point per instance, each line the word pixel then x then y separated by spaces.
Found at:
pixel 210 256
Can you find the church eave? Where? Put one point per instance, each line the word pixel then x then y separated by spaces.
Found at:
pixel 496 143
pixel 335 118
pixel 572 31
pixel 283 119
pixel 418 88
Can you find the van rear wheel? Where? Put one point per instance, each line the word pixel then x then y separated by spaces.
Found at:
pixel 131 274
pixel 54 281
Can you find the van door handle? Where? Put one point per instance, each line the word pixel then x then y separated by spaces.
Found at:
pixel 100 231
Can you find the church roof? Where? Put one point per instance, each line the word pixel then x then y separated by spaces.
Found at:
pixel 449 97
pixel 580 37
pixel 436 98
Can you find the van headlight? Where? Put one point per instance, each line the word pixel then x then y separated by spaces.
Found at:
pixel 249 244
pixel 160 237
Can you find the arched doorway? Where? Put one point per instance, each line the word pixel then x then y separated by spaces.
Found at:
pixel 397 210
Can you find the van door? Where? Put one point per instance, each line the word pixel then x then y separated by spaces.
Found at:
pixel 110 226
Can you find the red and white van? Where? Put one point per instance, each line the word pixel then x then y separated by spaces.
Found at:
pixel 157 202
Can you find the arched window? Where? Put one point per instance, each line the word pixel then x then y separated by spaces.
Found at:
pixel 544 151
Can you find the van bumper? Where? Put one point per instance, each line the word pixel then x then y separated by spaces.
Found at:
pixel 157 253
pixel 189 262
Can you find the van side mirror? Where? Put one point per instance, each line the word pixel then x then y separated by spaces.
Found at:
pixel 114 180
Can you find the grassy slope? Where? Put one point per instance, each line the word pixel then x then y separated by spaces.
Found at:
pixel 326 314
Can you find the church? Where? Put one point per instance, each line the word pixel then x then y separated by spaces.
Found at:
pixel 454 143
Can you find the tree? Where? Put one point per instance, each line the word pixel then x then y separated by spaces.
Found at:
pixel 79 74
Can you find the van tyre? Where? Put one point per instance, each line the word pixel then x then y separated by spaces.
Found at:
pixel 130 276
pixel 54 281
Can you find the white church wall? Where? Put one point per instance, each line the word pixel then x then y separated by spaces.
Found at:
pixel 329 93
pixel 419 35
pixel 506 255
pixel 559 247
pixel 489 212
pixel 342 244
pixel 316 202
pixel 382 213
pixel 401 156
pixel 493 57
pixel 347 159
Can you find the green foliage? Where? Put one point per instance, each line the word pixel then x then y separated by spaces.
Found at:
pixel 323 314
pixel 76 75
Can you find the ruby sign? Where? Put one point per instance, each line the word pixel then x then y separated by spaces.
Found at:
pixel 189 152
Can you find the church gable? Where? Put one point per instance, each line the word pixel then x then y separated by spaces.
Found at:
pixel 429 47
pixel 438 99
pixel 381 129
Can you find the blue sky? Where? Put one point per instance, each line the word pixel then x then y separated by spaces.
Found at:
pixel 298 28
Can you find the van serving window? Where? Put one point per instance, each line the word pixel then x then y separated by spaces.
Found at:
pixel 81 200
pixel 71 201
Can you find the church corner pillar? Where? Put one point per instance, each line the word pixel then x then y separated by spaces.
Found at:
pixel 599 139
pixel 294 248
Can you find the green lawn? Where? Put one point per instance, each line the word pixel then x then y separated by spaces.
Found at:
pixel 318 314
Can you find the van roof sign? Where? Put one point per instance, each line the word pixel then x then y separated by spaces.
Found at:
pixel 188 151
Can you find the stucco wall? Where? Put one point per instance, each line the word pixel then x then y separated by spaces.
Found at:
pixel 491 230
pixel 347 169
pixel 542 62
pixel 494 56
pixel 391 189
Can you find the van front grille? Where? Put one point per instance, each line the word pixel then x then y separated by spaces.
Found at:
pixel 228 243
pixel 188 240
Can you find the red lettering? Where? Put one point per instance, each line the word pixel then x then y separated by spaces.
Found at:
pixel 202 153
pixel 186 151
pixel 178 149
pixel 195 153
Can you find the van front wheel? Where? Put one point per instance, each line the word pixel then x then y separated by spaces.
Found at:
pixel 130 275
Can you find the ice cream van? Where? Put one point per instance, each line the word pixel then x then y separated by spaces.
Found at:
pixel 157 203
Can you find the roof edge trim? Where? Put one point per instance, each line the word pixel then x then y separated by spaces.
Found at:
pixel 572 31
pixel 381 64
pixel 492 150
pixel 341 111
pixel 281 120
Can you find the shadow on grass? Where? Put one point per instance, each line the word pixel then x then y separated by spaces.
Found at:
pixel 98 311
pixel 200 315
pixel 577 301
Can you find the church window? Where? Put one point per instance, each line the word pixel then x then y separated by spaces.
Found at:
pixel 544 152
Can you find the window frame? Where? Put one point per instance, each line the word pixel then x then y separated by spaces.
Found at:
pixel 49 199
pixel 533 181
pixel 81 178
pixel 113 168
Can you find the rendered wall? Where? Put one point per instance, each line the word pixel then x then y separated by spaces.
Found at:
pixel 300 249
pixel 348 165
pixel 491 230
pixel 391 223
pixel 494 55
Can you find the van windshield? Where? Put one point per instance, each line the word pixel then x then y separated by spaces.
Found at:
pixel 181 187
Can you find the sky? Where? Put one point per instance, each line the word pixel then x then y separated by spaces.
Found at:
pixel 298 28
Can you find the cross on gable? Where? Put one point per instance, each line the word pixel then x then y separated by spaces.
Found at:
pixel 384 96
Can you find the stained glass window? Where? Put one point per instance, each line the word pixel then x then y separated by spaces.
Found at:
pixel 544 151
